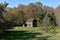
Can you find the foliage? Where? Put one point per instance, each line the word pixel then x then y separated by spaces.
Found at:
pixel 2 10
pixel 17 16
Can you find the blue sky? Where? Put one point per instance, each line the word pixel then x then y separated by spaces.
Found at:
pixel 51 3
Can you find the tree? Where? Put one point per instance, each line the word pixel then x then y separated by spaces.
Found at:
pixel 57 15
pixel 32 10
pixel 49 22
pixel 2 9
pixel 16 16
pixel 46 20
pixel 2 20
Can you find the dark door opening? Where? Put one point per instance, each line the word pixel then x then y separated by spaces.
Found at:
pixel 25 25
pixel 34 23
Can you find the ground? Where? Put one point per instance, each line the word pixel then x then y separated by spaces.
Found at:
pixel 26 33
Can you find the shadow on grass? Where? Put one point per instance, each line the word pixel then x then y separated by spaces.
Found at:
pixel 22 35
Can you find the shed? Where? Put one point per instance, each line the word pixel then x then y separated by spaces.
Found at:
pixel 31 22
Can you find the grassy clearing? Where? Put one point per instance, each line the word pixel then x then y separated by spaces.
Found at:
pixel 29 29
pixel 27 33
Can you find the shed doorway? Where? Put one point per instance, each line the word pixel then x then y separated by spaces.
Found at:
pixel 34 23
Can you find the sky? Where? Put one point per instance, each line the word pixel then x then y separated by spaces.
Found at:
pixel 14 3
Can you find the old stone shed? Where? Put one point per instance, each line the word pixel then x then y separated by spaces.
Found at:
pixel 31 22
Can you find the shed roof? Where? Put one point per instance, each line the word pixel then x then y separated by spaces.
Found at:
pixel 30 20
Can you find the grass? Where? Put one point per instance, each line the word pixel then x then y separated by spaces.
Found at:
pixel 26 33
pixel 55 37
pixel 58 30
pixel 30 29
pixel 23 35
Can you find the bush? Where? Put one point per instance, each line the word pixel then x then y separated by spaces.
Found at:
pixel 51 29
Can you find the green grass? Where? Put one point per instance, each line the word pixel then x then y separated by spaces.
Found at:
pixel 26 33
pixel 30 29
pixel 55 37
pixel 58 30
pixel 23 35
